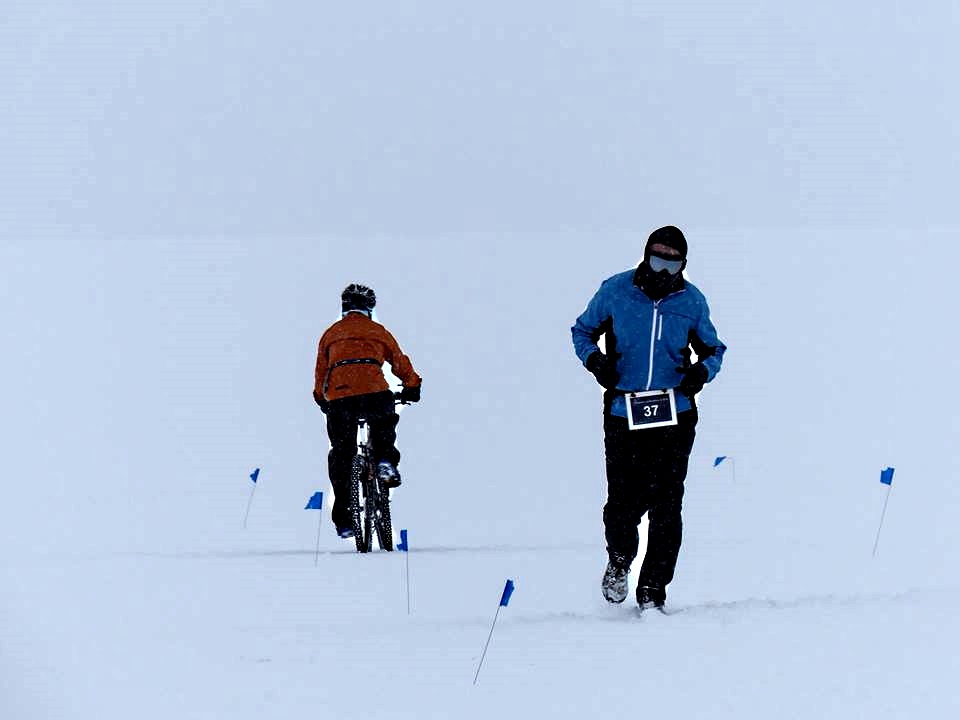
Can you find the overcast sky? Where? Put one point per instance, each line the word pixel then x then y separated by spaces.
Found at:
pixel 272 117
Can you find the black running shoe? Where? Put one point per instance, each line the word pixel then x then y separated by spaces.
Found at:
pixel 614 583
pixel 651 597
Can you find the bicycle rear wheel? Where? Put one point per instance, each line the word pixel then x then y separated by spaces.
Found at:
pixel 358 474
pixel 383 522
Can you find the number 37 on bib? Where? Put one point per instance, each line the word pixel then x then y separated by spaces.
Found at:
pixel 651 409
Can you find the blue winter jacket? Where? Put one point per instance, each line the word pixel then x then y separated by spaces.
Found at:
pixel 648 337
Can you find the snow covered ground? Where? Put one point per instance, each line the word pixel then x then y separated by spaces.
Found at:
pixel 131 588
pixel 254 633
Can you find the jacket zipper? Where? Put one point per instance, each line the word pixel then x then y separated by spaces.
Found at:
pixel 653 341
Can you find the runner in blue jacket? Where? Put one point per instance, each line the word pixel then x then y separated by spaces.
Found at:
pixel 650 319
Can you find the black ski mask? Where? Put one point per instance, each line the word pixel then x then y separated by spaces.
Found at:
pixel 661 274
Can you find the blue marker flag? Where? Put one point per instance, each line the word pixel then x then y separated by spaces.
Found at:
pixel 254 475
pixel 403 546
pixel 315 502
pixel 719 460
pixel 886 476
pixel 507 592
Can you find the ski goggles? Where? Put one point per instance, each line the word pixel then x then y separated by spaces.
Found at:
pixel 658 263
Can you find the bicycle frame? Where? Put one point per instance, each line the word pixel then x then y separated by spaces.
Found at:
pixel 363 448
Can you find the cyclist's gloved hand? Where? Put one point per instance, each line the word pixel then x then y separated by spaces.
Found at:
pixel 410 394
pixel 321 401
pixel 604 369
pixel 693 380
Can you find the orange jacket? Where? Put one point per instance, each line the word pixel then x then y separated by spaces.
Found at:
pixel 357 337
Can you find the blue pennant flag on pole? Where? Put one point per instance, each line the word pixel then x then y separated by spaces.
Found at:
pixel 507 592
pixel 316 503
pixel 886 477
pixel 403 546
pixel 253 476
pixel 719 460
pixel 504 601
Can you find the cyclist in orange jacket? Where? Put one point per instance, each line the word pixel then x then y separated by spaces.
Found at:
pixel 349 383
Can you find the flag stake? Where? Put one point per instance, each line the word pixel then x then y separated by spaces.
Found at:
pixel 489 637
pixel 404 547
pixel 882 515
pixel 408 581
pixel 249 503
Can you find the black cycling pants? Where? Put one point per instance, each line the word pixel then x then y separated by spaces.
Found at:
pixel 380 413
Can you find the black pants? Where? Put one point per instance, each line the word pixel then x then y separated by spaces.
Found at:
pixel 645 474
pixel 380 413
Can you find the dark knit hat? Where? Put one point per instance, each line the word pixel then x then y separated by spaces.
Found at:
pixel 671 237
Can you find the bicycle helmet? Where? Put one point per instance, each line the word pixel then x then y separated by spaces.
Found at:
pixel 358 297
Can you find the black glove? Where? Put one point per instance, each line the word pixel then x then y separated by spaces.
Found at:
pixel 321 401
pixel 410 394
pixel 693 380
pixel 604 369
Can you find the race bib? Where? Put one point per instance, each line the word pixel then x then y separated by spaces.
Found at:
pixel 654 408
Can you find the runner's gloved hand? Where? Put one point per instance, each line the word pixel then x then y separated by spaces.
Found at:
pixel 410 394
pixel 694 378
pixel 319 400
pixel 604 370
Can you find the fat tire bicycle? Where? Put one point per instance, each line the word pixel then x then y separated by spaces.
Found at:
pixel 369 499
